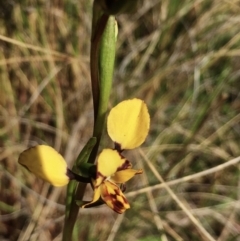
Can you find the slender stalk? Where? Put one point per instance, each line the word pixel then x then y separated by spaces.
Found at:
pixel 102 66
pixel 70 216
pixel 106 68
pixel 98 25
pixel 74 192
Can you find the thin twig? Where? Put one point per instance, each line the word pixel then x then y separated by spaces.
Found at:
pixel 203 231
pixel 153 207
pixel 33 47
pixel 187 178
pixel 115 228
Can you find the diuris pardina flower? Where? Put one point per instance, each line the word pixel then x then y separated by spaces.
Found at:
pixel 128 126
pixel 112 169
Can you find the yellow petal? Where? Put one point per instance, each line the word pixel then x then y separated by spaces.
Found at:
pixel 46 163
pixel 96 197
pixel 125 175
pixel 113 197
pixel 109 161
pixel 128 123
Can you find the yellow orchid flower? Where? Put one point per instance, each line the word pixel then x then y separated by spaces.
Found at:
pixel 128 124
pixel 112 169
pixel 47 164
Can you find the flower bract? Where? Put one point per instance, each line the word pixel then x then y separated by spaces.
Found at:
pixel 46 163
pixel 128 123
pixel 112 169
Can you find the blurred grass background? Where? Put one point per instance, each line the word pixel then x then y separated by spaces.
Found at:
pixel 182 58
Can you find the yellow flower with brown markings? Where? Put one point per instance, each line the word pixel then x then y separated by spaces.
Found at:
pixel 112 169
pixel 127 125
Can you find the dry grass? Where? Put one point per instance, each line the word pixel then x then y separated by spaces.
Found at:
pixel 183 59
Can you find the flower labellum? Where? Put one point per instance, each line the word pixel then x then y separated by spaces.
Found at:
pixel 112 169
pixel 128 123
pixel 46 163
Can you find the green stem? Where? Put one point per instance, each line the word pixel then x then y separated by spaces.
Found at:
pixel 102 67
pixel 98 25
pixel 106 68
pixel 74 192
pixel 70 216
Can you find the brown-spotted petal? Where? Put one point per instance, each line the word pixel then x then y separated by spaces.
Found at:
pixel 113 197
pixel 125 175
pixel 109 162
